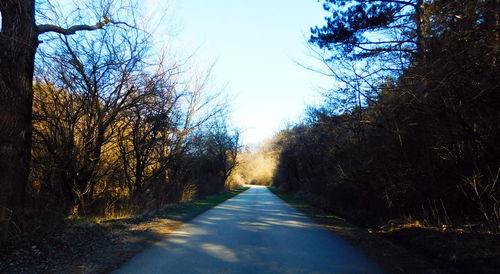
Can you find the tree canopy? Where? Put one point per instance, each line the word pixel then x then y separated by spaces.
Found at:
pixel 414 141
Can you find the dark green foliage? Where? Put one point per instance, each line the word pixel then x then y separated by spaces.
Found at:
pixel 353 23
pixel 427 146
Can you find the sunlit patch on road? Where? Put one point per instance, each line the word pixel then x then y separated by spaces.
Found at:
pixel 220 252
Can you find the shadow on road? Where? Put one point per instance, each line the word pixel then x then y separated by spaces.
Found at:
pixel 255 232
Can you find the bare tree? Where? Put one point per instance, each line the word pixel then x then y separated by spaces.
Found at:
pixel 100 73
pixel 147 127
pixel 18 43
pixel 199 106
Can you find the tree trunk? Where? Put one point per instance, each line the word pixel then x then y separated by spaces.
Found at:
pixel 421 46
pixel 18 43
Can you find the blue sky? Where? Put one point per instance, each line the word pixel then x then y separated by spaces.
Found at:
pixel 255 44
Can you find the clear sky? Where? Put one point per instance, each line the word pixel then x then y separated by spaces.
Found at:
pixel 255 44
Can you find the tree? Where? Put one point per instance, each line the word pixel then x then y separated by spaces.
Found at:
pixel 18 44
pixel 363 43
pixel 213 155
pixel 364 28
pixel 429 131
pixel 100 74
pixel 148 130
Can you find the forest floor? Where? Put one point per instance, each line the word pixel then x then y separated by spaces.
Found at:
pixel 410 248
pixel 90 246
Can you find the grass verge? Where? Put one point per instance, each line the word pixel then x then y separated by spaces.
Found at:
pixel 183 211
pixel 100 246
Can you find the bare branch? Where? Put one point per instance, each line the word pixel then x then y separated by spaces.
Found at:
pixel 69 31
pixel 72 30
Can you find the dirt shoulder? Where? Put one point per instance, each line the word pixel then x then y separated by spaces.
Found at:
pixel 412 249
pixel 82 246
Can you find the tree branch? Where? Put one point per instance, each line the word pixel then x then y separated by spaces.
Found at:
pixel 72 30
pixel 68 31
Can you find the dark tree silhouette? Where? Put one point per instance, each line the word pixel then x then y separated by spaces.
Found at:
pixel 364 28
pixel 424 145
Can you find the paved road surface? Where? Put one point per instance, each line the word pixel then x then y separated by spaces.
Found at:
pixel 254 232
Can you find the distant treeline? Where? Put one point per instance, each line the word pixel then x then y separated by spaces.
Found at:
pixel 412 130
pixel 116 131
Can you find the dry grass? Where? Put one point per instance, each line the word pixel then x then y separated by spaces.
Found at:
pixel 99 244
pixel 409 247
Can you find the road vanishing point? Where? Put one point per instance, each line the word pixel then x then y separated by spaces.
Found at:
pixel 254 232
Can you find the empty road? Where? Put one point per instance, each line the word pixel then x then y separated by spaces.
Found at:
pixel 254 232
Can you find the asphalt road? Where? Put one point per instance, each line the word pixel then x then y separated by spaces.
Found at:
pixel 254 232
